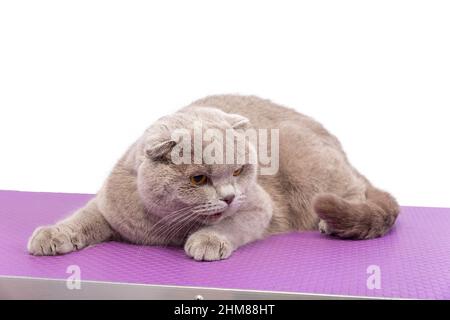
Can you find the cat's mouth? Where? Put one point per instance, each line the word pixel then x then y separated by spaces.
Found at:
pixel 213 217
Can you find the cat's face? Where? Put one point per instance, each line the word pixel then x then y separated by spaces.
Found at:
pixel 205 192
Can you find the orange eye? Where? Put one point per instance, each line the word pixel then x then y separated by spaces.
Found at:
pixel 198 180
pixel 237 172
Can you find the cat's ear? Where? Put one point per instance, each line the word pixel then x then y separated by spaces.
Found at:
pixel 237 121
pixel 160 150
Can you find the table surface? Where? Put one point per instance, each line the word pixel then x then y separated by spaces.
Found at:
pixel 413 259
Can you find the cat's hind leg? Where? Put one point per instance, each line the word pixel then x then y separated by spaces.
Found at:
pixel 356 218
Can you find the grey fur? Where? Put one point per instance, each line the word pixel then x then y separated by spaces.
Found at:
pixel 149 200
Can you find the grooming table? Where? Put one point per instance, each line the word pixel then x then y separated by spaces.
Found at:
pixel 413 259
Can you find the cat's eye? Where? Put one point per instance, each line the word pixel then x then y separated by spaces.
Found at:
pixel 198 180
pixel 237 172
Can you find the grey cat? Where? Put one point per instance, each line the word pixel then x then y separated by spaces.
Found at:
pixel 213 209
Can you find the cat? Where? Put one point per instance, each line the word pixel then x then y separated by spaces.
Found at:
pixel 214 208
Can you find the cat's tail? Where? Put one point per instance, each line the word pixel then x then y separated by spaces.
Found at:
pixel 357 220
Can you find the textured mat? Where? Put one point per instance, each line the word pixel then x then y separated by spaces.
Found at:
pixel 414 259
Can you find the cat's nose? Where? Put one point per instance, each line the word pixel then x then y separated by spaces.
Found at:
pixel 228 199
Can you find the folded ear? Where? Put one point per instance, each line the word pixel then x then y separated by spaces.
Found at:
pixel 160 151
pixel 237 121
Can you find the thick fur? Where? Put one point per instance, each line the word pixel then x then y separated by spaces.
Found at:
pixel 356 219
pixel 148 200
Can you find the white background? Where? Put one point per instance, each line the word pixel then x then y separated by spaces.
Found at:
pixel 80 80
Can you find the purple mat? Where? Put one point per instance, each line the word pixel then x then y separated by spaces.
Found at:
pixel 414 258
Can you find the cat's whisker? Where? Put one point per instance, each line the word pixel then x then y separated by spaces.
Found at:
pixel 175 230
pixel 202 212
pixel 166 220
pixel 161 223
pixel 188 231
pixel 183 220
pixel 175 218
pixel 172 229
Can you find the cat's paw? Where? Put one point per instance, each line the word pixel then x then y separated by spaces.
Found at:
pixel 323 227
pixel 208 246
pixel 53 240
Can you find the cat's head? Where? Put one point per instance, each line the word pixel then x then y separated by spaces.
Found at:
pixel 187 172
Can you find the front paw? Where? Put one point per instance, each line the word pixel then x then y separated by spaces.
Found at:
pixel 53 240
pixel 208 246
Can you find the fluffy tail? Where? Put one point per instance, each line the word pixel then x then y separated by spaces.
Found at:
pixel 367 219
